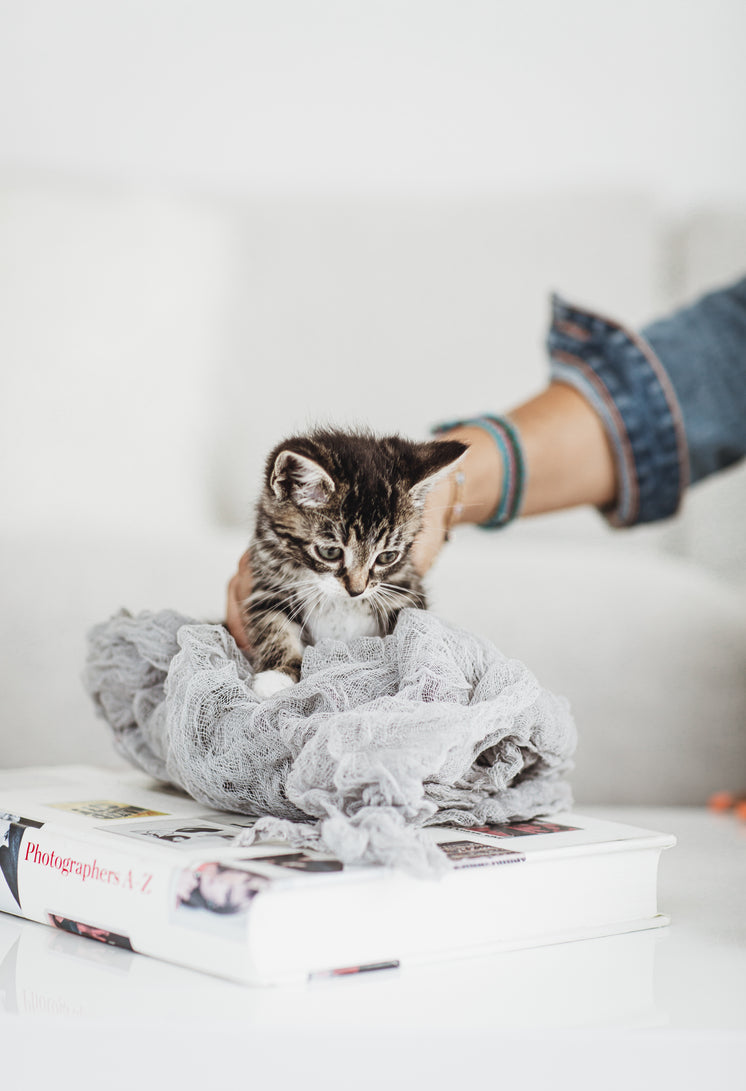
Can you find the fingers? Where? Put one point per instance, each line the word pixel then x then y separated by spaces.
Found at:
pixel 239 588
pixel 428 542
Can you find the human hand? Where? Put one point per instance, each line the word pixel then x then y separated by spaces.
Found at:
pixel 265 682
pixel 473 501
pixel 435 525
pixel 239 589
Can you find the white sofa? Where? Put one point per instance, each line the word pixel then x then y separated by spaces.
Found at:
pixel 154 346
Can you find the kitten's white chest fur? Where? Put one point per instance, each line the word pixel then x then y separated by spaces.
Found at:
pixel 335 619
pixel 341 619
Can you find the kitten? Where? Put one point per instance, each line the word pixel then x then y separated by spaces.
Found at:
pixel 330 556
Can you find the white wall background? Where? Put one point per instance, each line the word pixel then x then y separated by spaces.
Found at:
pixel 417 95
pixel 219 220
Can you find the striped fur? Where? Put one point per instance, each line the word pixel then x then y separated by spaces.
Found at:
pixel 335 523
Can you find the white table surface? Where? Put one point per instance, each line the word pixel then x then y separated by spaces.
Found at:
pixel 660 1008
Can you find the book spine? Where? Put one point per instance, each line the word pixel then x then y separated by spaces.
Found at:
pixel 141 899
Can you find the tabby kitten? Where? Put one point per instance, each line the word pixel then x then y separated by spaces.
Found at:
pixel 330 556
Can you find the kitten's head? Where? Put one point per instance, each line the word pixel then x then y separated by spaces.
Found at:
pixel 348 506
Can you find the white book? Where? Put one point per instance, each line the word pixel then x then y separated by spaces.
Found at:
pixel 129 862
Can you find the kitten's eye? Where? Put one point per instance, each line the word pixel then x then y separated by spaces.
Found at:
pixel 329 553
pixel 387 557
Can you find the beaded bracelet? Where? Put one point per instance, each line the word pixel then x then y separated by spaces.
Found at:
pixel 508 443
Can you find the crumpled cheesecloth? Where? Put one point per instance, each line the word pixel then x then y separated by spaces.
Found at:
pixel 381 736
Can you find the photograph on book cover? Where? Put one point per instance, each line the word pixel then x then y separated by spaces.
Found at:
pixel 105 809
pixel 522 829
pixel 12 830
pixel 476 854
pixel 89 931
pixel 299 861
pixel 188 834
pixel 214 897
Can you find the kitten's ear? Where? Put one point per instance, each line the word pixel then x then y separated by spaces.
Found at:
pixel 298 478
pixel 436 459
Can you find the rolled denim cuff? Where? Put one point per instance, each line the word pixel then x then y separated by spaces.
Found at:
pixel 622 378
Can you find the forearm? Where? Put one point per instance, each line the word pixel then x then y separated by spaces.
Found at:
pixel 568 462
pixel 568 458
pixel 568 455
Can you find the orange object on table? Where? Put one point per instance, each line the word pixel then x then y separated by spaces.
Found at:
pixel 722 801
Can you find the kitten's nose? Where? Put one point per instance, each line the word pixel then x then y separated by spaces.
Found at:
pixel 355 583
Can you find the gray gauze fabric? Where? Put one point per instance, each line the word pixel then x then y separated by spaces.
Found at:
pixel 380 737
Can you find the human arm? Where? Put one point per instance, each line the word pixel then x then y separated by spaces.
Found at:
pixel 628 422
pixel 568 457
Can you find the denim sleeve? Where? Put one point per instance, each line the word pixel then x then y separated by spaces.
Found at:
pixel 672 398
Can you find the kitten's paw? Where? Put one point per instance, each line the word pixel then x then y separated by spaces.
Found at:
pixel 268 682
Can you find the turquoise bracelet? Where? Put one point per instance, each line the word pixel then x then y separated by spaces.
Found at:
pixel 508 443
